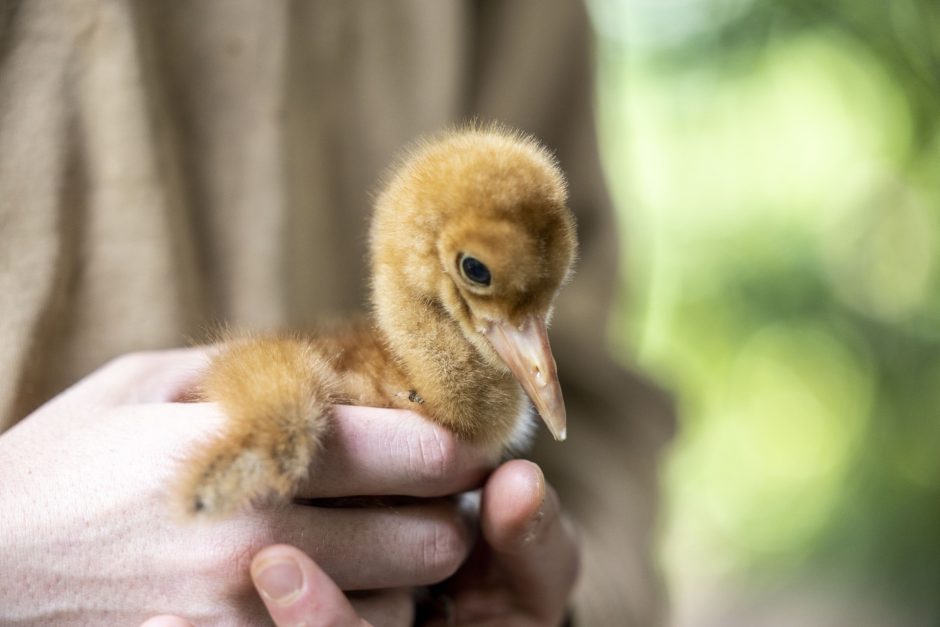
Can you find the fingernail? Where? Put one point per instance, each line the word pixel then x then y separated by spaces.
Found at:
pixel 281 581
pixel 532 531
pixel 535 524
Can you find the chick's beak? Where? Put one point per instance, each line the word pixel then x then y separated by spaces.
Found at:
pixel 526 351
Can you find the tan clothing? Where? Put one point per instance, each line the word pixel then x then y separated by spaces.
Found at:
pixel 165 165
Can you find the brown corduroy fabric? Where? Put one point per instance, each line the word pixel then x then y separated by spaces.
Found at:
pixel 165 166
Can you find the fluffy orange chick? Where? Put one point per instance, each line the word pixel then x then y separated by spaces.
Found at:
pixel 471 240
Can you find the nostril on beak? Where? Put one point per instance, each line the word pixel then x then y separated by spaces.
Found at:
pixel 540 378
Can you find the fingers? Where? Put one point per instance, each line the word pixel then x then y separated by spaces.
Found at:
pixel 297 592
pixel 531 541
pixel 368 451
pixel 385 547
pixel 378 452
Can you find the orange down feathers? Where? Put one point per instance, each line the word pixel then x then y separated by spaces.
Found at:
pixel 470 241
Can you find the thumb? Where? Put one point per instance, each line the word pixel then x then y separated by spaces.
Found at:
pixel 297 592
pixel 531 540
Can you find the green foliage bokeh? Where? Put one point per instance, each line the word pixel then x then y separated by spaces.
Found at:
pixel 778 165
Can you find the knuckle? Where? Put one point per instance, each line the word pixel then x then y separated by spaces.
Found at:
pixel 443 549
pixel 434 456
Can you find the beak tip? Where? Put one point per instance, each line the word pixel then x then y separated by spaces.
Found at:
pixel 559 434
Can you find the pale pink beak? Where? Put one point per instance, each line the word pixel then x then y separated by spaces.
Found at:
pixel 526 351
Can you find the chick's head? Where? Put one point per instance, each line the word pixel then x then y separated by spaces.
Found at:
pixel 476 222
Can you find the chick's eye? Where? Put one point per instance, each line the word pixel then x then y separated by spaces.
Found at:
pixel 475 270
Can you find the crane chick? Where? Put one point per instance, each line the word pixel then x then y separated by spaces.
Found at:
pixel 471 239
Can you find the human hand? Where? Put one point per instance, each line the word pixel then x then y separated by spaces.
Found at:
pixel 522 573
pixel 297 592
pixel 524 570
pixel 85 534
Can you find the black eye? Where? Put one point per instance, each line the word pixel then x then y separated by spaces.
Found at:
pixel 474 270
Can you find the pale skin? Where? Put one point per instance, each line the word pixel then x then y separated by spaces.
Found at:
pixel 86 536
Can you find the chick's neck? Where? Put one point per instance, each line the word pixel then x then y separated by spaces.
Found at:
pixel 459 388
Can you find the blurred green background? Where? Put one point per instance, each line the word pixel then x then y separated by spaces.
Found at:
pixel 778 167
